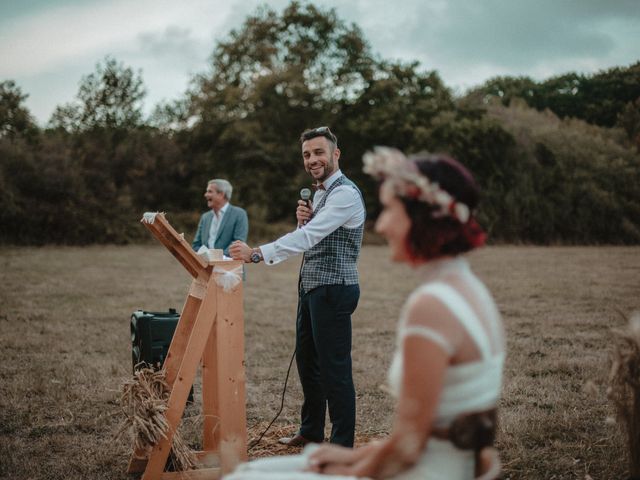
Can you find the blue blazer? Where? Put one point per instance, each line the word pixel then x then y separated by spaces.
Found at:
pixel 234 226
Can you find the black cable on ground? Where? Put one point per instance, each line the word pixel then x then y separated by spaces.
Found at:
pixel 284 389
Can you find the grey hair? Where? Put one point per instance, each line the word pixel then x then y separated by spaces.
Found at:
pixel 222 186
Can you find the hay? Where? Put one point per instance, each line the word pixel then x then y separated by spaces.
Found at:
pixel 269 446
pixel 624 388
pixel 144 402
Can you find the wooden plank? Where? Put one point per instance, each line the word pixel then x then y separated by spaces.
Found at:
pixel 198 288
pixel 210 403
pixel 205 460
pixel 184 329
pixel 208 459
pixel 174 357
pixel 211 327
pixel 199 474
pixel 181 249
pixel 176 244
pixel 137 463
pixel 184 379
pixel 231 375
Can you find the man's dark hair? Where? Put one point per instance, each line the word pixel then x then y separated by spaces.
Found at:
pixel 319 132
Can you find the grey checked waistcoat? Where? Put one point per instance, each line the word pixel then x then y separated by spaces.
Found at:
pixel 332 261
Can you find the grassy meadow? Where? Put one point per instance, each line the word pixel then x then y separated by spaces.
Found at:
pixel 65 346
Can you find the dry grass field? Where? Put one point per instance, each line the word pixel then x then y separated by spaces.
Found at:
pixel 65 346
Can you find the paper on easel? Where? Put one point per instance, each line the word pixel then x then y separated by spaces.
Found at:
pixel 210 254
pixel 150 217
pixel 215 254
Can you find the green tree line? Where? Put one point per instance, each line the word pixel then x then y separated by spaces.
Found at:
pixel 557 160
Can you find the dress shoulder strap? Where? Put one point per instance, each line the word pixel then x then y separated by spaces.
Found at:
pixel 460 308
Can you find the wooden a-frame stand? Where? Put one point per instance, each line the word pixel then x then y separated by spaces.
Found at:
pixel 211 329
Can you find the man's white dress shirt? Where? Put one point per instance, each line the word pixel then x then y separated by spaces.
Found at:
pixel 344 207
pixel 215 225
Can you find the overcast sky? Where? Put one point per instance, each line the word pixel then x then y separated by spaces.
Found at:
pixel 46 46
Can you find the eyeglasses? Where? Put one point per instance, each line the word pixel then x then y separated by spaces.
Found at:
pixel 319 132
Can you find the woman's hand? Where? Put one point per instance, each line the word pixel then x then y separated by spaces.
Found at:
pixel 335 460
pixel 328 457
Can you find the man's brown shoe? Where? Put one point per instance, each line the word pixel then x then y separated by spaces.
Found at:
pixel 296 441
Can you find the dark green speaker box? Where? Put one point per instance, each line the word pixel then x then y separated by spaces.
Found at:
pixel 151 334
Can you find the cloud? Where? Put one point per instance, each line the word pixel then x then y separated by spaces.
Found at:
pixel 173 40
pixel 56 36
pixel 468 42
pixel 48 52
pixel 56 42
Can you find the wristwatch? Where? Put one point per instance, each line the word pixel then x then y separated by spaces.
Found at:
pixel 256 256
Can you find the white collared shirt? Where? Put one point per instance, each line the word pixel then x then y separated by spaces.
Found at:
pixel 215 225
pixel 343 208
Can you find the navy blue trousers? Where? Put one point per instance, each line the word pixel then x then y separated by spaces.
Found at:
pixel 323 357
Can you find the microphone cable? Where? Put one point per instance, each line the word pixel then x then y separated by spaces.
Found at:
pixel 305 194
pixel 284 389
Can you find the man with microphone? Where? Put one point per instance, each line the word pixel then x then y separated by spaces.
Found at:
pixel 329 234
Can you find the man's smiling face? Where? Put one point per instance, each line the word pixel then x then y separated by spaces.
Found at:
pixel 320 158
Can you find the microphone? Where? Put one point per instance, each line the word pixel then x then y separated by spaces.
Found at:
pixel 305 194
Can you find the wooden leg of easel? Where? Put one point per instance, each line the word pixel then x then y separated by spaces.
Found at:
pixel 184 329
pixel 138 460
pixel 210 403
pixel 231 379
pixel 184 379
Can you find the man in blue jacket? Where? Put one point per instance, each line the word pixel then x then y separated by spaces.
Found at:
pixel 224 223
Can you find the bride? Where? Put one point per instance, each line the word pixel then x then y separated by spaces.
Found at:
pixel 447 368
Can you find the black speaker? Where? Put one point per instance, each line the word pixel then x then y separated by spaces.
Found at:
pixel 151 334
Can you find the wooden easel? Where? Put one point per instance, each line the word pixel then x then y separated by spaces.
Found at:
pixel 211 329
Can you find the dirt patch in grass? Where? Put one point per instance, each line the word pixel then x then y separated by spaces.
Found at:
pixel 64 340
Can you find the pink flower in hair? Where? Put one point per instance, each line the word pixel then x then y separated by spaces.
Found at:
pixel 392 167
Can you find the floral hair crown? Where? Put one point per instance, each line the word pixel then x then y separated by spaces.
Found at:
pixel 392 166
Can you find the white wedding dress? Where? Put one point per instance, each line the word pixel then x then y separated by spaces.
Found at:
pixel 468 387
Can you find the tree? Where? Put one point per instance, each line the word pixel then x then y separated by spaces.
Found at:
pixel 110 98
pixel 571 181
pixel 311 57
pixel 598 99
pixel 397 107
pixel 171 117
pixel 504 89
pixel 629 120
pixel 15 119
pixel 281 73
pixel 269 80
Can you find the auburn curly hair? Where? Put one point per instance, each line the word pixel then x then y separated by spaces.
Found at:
pixel 432 236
